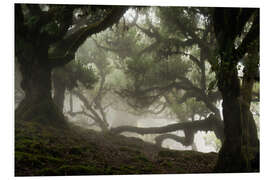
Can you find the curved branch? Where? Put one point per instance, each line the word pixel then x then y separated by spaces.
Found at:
pixel 95 116
pixel 81 113
pixel 65 50
pixel 208 124
pixel 197 93
pixel 251 36
pixel 161 138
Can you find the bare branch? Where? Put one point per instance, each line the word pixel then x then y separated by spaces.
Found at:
pixel 102 122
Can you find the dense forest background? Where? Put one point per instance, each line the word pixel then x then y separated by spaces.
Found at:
pixel 179 78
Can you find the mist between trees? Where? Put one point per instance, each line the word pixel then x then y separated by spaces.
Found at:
pixel 183 78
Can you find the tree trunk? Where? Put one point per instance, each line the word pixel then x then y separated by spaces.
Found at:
pixel 250 135
pixel 236 154
pixel 36 82
pixel 59 94
pixel 240 145
pixel 230 155
pixel 251 69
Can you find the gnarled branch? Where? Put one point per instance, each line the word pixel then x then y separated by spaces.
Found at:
pixel 65 50
pixel 208 124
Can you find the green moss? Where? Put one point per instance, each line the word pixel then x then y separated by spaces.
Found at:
pixel 126 149
pixel 78 150
pixel 23 144
pixel 128 169
pixel 49 159
pixel 26 159
pixel 33 160
pixel 78 170
pixel 36 147
pixel 48 172
pixel 168 164
pixel 50 151
pixel 166 154
pixel 70 170
pixel 142 158
pixel 131 169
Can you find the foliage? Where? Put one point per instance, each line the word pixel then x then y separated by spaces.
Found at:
pixel 165 63
pixel 75 72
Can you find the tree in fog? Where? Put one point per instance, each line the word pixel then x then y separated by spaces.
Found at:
pixel 95 101
pixel 178 63
pixel 237 43
pixel 47 36
pixel 69 77
pixel 170 67
pixel 167 69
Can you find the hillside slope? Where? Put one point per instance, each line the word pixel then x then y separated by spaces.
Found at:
pixel 46 150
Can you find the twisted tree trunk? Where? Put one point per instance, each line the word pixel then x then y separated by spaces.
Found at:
pixel 36 83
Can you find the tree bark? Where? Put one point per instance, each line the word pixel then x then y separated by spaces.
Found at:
pixel 239 149
pixel 230 157
pixel 36 83
pixel 59 94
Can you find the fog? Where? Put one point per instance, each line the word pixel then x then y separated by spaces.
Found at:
pixel 135 89
pixel 117 118
pixel 102 108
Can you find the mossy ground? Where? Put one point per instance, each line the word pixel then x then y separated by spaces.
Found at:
pixel 47 150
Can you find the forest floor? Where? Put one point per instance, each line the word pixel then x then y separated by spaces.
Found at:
pixel 46 150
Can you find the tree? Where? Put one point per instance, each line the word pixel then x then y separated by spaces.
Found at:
pixel 47 36
pixel 239 152
pixel 94 101
pixel 68 78
pixel 168 67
